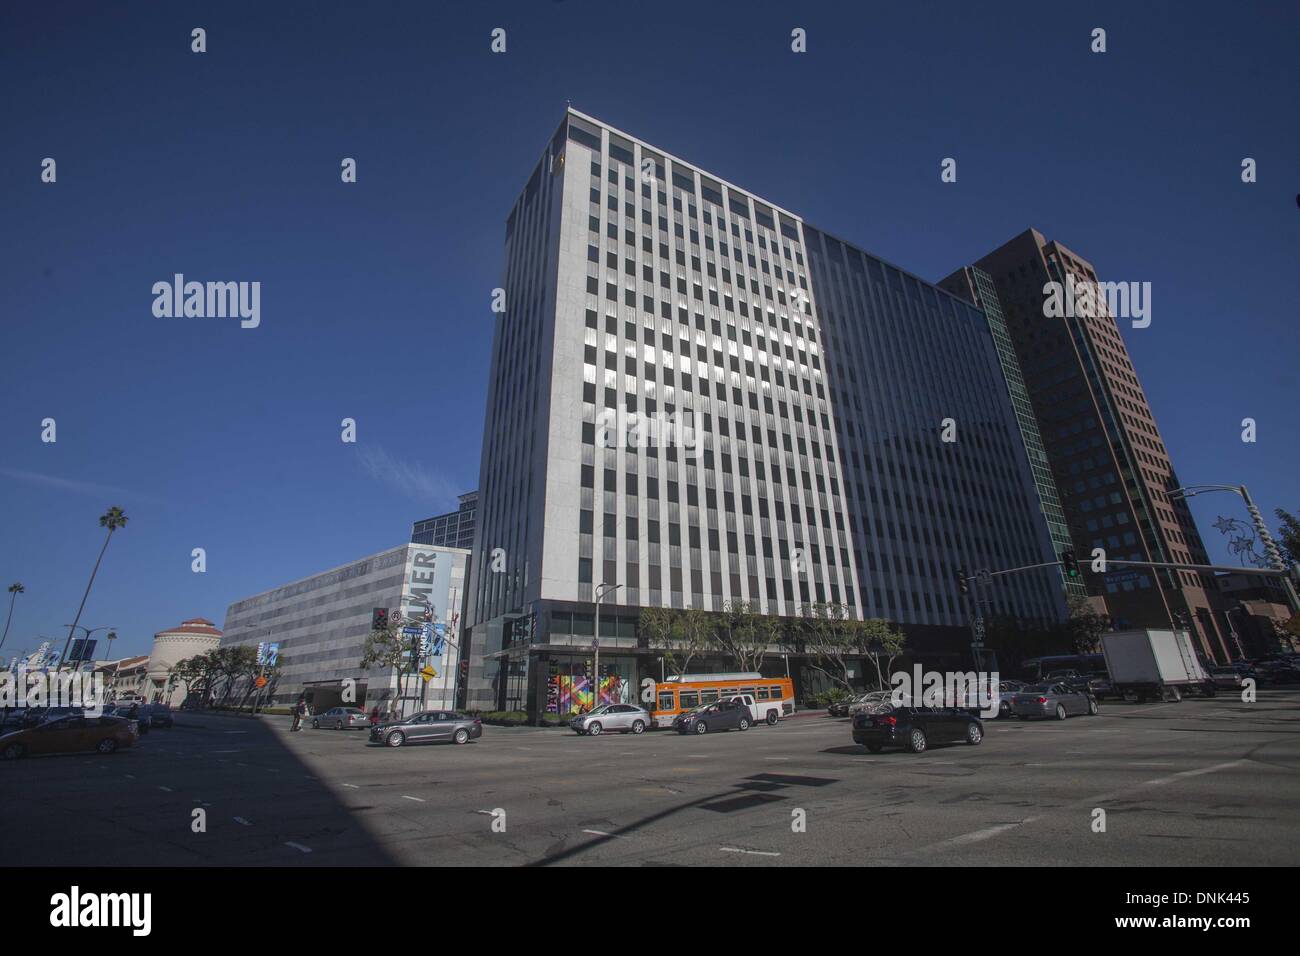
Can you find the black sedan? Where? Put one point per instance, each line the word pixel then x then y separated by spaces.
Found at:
pixel 723 715
pixel 915 728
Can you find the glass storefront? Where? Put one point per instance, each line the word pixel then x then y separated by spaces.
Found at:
pixel 571 685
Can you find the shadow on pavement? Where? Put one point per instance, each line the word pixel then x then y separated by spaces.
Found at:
pixel 213 790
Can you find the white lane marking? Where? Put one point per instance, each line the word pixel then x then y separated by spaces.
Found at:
pixel 298 846
pixel 416 799
pixel 166 789
pixel 352 786
pixel 598 833
pixel 242 822
pixel 736 849
pixel 130 776
pixel 484 812
pixel 776 758
pixel 977 835
pixel 1194 773
pixel 984 834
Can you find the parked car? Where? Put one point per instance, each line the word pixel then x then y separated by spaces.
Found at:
pixel 1099 685
pixel 720 715
pixel 1276 672
pixel 66 735
pixel 1052 700
pixel 136 713
pixel 341 718
pixel 840 708
pixel 159 715
pixel 1073 679
pixel 1227 678
pixel 428 726
pixel 35 716
pixel 1007 689
pixel 915 728
pixel 876 701
pixel 625 718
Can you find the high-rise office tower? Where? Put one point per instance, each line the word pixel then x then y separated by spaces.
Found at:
pixel 1106 453
pixel 975 285
pixel 849 435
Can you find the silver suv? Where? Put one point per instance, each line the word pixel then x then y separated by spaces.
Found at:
pixel 623 717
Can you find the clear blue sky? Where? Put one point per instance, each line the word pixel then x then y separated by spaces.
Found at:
pixel 225 166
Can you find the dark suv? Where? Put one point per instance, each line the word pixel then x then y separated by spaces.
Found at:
pixel 915 728
pixel 722 715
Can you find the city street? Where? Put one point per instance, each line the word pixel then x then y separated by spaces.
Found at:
pixel 1197 783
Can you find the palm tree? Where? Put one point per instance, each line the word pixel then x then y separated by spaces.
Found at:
pixel 15 589
pixel 112 519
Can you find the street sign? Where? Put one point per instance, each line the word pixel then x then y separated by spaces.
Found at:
pixel 412 630
pixel 428 673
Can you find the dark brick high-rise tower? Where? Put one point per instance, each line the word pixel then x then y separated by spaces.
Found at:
pixel 1107 457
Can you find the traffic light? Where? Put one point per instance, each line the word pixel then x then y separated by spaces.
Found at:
pixel 963 585
pixel 1069 563
pixel 379 619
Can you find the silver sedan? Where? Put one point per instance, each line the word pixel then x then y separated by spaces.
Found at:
pixel 626 718
pixel 341 718
pixel 1052 700
pixel 428 726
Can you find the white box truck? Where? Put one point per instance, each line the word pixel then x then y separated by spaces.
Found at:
pixel 1154 664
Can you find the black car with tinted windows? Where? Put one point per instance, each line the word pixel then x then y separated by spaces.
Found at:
pixel 916 728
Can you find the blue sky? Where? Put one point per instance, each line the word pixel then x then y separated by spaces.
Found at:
pixel 225 166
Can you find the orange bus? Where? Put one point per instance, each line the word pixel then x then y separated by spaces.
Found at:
pixel 769 698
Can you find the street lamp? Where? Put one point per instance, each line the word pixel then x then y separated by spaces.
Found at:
pixel 1241 651
pixel 1261 530
pixel 601 591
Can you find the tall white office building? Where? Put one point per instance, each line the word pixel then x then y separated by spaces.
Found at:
pixel 815 381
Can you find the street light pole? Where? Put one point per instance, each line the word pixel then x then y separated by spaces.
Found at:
pixel 601 591
pixel 1261 530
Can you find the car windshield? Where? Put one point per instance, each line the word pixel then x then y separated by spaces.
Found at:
pixel 602 709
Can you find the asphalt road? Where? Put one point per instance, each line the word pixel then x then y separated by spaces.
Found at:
pixel 1198 783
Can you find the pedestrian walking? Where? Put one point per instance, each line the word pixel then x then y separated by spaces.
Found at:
pixel 299 712
pixel 374 716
